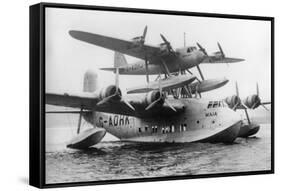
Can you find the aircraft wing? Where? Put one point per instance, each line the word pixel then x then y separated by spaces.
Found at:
pixel 122 46
pixel 166 85
pixel 225 60
pixel 75 101
pixel 89 102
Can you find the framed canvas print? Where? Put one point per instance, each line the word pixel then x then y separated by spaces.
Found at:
pixel 122 95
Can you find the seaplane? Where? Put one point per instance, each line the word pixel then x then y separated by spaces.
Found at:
pixel 234 102
pixel 154 59
pixel 150 117
pixel 183 84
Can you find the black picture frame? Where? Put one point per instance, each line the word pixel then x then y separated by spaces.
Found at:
pixel 37 93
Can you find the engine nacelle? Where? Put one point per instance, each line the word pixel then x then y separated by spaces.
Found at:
pixel 164 49
pixel 233 101
pixel 137 41
pixel 252 101
pixel 109 91
pixel 218 54
pixel 153 96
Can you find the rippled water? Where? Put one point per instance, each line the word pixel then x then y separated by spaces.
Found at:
pixel 118 160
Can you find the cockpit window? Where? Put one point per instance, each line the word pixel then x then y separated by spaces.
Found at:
pixel 190 49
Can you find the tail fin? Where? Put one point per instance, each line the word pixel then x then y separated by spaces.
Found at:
pixel 119 60
pixel 90 81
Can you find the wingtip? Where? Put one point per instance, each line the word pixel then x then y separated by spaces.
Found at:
pixel 74 33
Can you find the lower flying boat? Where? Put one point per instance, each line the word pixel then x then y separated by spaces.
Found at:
pixel 148 117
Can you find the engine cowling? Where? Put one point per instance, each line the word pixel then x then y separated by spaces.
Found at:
pixel 110 91
pixel 152 96
pixel 233 101
pixel 164 49
pixel 138 41
pixel 252 101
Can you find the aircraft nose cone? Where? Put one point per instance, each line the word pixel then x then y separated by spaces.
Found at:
pixel 200 56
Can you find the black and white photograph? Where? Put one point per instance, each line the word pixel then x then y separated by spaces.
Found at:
pixel 133 95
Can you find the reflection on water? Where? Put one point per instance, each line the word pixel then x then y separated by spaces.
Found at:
pixel 118 160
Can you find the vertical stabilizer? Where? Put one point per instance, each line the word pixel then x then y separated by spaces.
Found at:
pixel 90 81
pixel 119 60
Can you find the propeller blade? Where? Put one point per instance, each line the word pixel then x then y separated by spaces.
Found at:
pixel 144 33
pixel 247 115
pixel 200 72
pixel 166 101
pixel 202 49
pixel 255 104
pixel 152 104
pixel 107 99
pixel 221 51
pixel 265 107
pixel 164 39
pixel 235 107
pixel 117 80
pixel 79 121
pixel 245 107
pixel 167 43
pixel 129 105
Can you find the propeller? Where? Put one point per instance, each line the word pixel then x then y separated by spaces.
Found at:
pixel 221 51
pixel 117 95
pixel 202 49
pixel 144 34
pixel 160 99
pixel 258 102
pixel 168 44
pixel 200 72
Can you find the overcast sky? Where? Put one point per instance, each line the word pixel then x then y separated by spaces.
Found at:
pixel 67 59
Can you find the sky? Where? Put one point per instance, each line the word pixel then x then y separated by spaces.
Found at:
pixel 67 59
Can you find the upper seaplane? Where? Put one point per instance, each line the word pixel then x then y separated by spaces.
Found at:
pixel 154 59
pixel 148 117
pixel 176 83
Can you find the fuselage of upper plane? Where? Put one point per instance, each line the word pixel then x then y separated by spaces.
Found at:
pixel 210 121
pixel 186 58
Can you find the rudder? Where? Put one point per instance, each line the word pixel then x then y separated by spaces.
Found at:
pixel 90 81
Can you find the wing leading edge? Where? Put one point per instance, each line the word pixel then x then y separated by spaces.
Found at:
pixel 90 103
pixel 122 46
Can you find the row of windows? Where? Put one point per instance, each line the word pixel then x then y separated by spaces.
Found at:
pixel 166 129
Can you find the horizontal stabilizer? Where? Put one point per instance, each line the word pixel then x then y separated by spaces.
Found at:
pixel 108 69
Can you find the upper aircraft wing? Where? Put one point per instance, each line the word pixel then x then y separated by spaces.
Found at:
pixel 122 46
pixel 225 60
pixel 90 103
